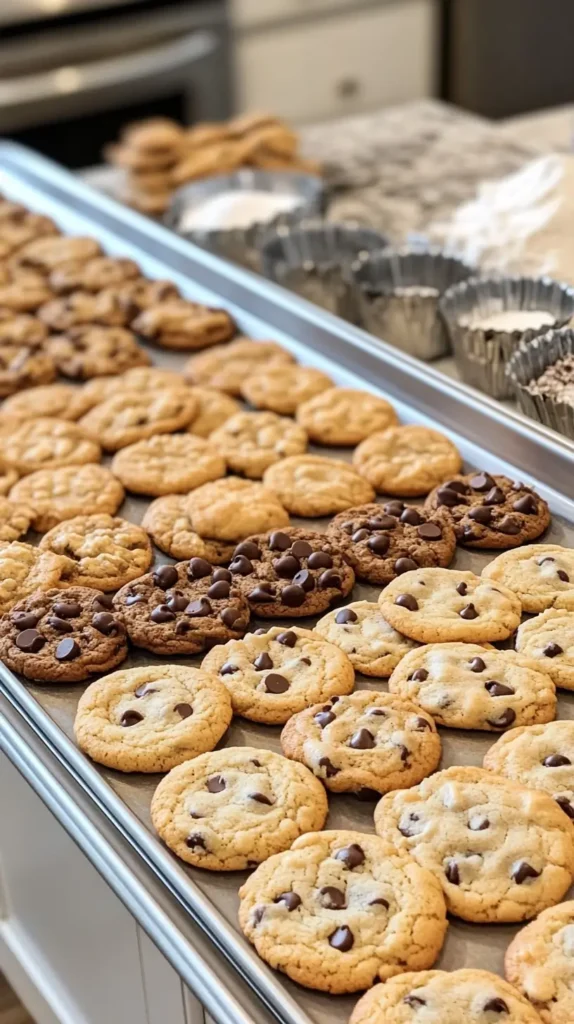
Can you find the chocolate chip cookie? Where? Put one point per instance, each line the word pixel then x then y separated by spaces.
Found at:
pixel 184 326
pixel 231 809
pixel 501 852
pixel 23 366
pixel 342 910
pixel 89 350
pixel 290 572
pixel 272 675
pixel 548 639
pixel 151 719
pixel 58 494
pixel 45 254
pixel 46 443
pixel 168 464
pixel 182 608
pixel 367 742
pixel 130 416
pixel 22 291
pixel 371 645
pixel 24 569
pixel 490 511
pixel 541 576
pixel 214 408
pixel 539 962
pixel 439 605
pixel 62 636
pixel 282 389
pixel 312 485
pixel 21 330
pixel 231 509
pixel 102 551
pixel 444 997
pixel 250 442
pixel 465 686
pixel 407 461
pixel 94 275
pixel 383 541
pixel 169 525
pixel 81 308
pixel 540 757
pixel 226 367
pixel 343 416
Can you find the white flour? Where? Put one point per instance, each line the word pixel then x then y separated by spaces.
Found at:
pixel 509 320
pixel 237 209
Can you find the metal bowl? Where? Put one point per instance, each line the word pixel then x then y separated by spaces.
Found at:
pixel 527 364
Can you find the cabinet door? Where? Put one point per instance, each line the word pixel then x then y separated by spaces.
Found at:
pixel 340 65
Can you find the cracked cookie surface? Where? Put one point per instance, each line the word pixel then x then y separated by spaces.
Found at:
pixel 344 416
pixel 232 508
pixel 168 464
pixel 313 485
pixel 282 389
pixel 46 443
pixel 92 350
pixel 372 646
pixel 250 442
pixel 59 494
pixel 227 366
pixel 102 551
pixel 129 416
pixel 60 401
pixel 24 569
pixel 407 460
pixel 541 575
pixel 168 523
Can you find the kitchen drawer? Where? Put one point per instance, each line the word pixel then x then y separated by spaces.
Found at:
pixel 340 65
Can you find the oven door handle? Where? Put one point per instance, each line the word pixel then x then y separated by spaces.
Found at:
pixel 71 80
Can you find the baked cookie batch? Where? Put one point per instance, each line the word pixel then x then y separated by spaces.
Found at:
pixel 87 417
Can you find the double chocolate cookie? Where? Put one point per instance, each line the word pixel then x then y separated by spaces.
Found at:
pixel 62 636
pixel 182 608
pixel 488 511
pixel 381 542
pixel 290 572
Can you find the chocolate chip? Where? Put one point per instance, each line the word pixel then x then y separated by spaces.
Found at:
pixel 195 842
pixel 320 560
pixel 468 612
pixel 480 514
pixel 259 632
pixel 496 1006
pixel 462 589
pixel 342 939
pixel 477 665
pixel 478 824
pixel 345 615
pixel 404 565
pixel 566 806
pixel 452 873
pixel 521 870
pixel 26 620
pixel 407 601
pixel 287 566
pixel 507 718
pixel 362 740
pixel 162 614
pixel 527 505
pixel 216 784
pixel 177 602
pixel 262 594
pixel 290 900
pixel 256 762
pixel 165 577
pixel 329 767
pixel 103 602
pixel 332 898
pixel 288 639
pixel 394 508
pixel 301 549
pixel 130 717
pixel 263 662
pixel 421 724
pixel 304 661
pixel 429 531
pixel 304 579
pixel 182 627
pixel 497 689
pixel 230 617
pixel 241 566
pixel 359 536
pixel 482 482
pixel 260 798
pixel 556 761
pixel 219 590
pixel 351 856
pixel 67 609
pixel 448 496
pixel 184 710
pixel 221 576
pixel 198 568
pixel 30 641
pixel 61 625
pixel 412 1000
pixel 275 683
pixel 323 718
pixel 199 609
pixel 247 548
pixel 380 902
pixel 293 596
pixel 67 650
pixel 105 623
pixel 377 523
pixel 412 517
pixel 508 526
pixel 404 752
pixel 279 541
pixel 495 497
pixel 228 669
pixel 196 814
pixel 330 580
pixel 563 576
pixel 379 544
pixel 552 650
pixel 405 829
pixel 419 675
pixel 135 599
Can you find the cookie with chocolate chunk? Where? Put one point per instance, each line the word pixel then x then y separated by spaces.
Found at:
pixel 381 542
pixel 290 572
pixel 62 636
pixel 490 511
pixel 182 608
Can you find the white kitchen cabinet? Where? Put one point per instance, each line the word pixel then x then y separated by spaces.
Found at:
pixel 340 64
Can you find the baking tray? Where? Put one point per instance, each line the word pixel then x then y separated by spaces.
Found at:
pixel 489 438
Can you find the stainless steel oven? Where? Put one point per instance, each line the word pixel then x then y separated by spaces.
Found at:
pixel 72 72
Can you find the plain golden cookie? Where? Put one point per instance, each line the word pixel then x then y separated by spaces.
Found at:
pixel 407 461
pixel 168 523
pixel 213 409
pixel 24 569
pixel 231 509
pixel 168 464
pixel 228 366
pixel 312 485
pixel 282 389
pixel 59 494
pixel 344 416
pixel 250 442
pixel 61 401
pixel 46 443
pixel 131 416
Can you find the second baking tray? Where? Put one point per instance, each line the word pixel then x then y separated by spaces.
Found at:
pixel 488 437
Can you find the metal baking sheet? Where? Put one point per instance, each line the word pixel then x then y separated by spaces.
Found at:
pixel 488 439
